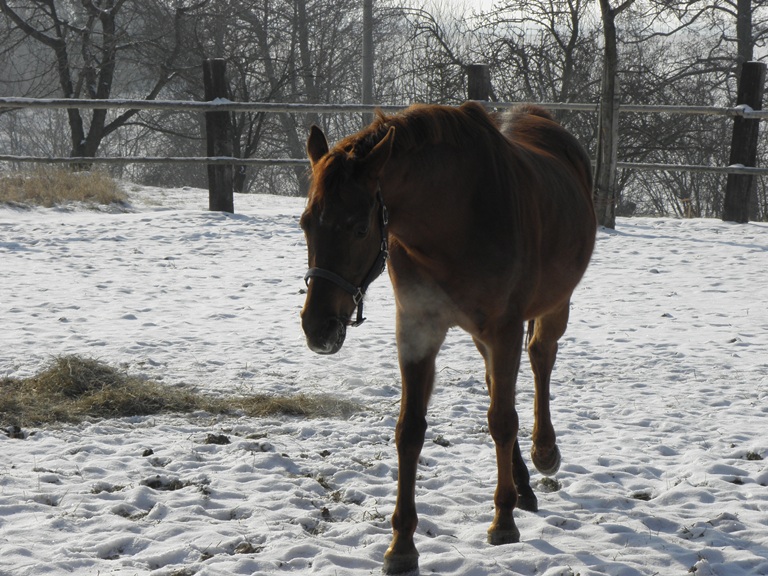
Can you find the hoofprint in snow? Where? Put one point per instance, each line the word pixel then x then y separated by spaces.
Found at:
pixel 660 400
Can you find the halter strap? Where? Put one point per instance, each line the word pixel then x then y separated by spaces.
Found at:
pixel 358 292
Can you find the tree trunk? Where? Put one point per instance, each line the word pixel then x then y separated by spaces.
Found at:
pixel 368 59
pixel 605 194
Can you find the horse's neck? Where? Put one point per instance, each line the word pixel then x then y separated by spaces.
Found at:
pixel 421 199
pixel 451 213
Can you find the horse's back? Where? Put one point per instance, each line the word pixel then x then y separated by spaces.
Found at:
pixel 533 128
pixel 555 191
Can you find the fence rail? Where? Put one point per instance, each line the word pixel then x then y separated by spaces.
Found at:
pixel 215 160
pixel 224 105
pixel 229 161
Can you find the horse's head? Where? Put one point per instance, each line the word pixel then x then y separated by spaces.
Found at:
pixel 344 224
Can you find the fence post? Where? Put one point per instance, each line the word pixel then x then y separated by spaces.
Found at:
pixel 218 138
pixel 478 82
pixel 741 188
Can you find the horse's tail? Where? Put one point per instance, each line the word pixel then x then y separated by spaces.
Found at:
pixel 512 118
pixel 531 110
pixel 529 332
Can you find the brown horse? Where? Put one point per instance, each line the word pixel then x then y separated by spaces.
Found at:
pixel 485 227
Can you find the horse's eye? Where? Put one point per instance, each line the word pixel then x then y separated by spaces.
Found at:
pixel 361 231
pixel 304 221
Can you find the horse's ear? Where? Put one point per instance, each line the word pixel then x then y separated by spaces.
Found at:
pixel 317 145
pixel 377 159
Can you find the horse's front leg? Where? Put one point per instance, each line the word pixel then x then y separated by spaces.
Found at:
pixel 503 362
pixel 418 343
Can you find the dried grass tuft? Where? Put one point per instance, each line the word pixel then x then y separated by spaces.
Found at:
pixel 72 389
pixel 48 187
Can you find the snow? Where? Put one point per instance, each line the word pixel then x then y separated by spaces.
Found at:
pixel 660 400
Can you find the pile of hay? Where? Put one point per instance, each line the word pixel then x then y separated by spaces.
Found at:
pixel 72 389
pixel 50 187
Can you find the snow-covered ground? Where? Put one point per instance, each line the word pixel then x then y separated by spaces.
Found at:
pixel 660 402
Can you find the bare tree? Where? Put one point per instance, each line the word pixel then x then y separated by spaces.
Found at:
pixel 88 40
pixel 543 48
pixel 544 51
pixel 606 193
pixel 745 24
pixel 310 52
pixel 426 53
pixel 276 51
pixel 680 53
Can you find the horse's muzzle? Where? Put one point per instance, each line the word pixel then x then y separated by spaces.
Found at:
pixel 326 337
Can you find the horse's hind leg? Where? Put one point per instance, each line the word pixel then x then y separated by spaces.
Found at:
pixel 542 351
pixel 526 498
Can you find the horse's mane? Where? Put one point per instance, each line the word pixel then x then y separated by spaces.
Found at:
pixel 423 125
pixel 418 127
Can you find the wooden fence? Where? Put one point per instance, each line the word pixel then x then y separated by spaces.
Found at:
pixel 221 105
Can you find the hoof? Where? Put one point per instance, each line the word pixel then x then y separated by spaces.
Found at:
pixel 526 500
pixel 401 565
pixel 548 466
pixel 507 536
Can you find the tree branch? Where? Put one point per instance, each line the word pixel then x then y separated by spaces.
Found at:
pixel 27 28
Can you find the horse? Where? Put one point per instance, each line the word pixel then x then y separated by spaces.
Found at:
pixel 486 223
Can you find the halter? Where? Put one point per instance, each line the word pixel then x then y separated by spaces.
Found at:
pixel 358 292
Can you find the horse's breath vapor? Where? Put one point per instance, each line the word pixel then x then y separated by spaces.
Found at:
pixel 418 336
pixel 490 228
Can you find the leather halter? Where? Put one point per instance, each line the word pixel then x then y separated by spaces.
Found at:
pixel 358 292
